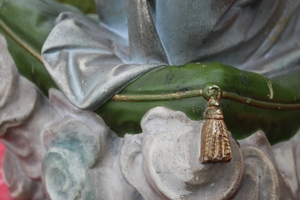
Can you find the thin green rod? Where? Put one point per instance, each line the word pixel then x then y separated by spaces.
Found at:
pixel 198 93
pixel 260 104
pixel 15 38
pixel 157 97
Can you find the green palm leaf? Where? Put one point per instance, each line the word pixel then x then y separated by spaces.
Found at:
pixel 26 25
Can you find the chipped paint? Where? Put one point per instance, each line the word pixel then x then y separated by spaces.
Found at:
pixel 271 90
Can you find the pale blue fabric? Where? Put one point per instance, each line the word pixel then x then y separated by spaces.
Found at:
pixel 90 61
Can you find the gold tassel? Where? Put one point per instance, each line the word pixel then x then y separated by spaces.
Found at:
pixel 215 143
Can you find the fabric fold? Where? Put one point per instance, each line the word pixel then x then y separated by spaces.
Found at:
pixel 84 64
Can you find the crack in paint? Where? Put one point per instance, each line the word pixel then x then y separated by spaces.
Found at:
pixel 271 90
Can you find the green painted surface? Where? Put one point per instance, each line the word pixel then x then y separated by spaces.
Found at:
pixel 30 22
pixel 29 67
pixel 242 120
pixel 86 6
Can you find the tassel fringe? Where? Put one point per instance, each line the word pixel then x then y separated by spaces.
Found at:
pixel 215 143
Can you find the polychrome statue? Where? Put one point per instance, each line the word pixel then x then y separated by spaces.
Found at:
pixel 151 99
